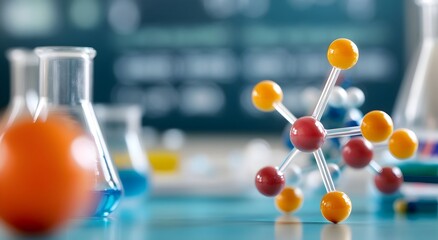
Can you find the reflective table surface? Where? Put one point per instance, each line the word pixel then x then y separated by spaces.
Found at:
pixel 239 218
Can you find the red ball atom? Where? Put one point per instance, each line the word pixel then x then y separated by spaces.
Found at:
pixel 357 153
pixel 307 134
pixel 269 181
pixel 389 180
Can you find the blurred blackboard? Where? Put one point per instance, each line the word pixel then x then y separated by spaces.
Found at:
pixel 192 63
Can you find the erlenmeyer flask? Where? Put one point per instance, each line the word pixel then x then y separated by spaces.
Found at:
pixel 121 127
pixel 24 84
pixel 416 106
pixel 65 89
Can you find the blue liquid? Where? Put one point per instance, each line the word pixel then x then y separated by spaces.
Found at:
pixel 133 182
pixel 106 202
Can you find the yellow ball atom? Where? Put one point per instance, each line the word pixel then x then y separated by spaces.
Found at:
pixel 342 53
pixel 265 94
pixel 403 143
pixel 289 200
pixel 376 126
pixel 335 206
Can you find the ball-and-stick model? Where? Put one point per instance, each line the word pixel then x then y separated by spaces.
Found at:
pixel 359 152
pixel 308 134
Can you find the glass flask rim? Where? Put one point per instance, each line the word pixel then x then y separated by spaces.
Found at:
pixel 65 52
pixel 426 2
pixel 21 54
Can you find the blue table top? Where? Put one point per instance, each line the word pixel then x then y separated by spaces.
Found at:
pixel 240 218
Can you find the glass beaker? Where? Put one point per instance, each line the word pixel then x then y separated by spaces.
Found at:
pixel 121 127
pixel 24 84
pixel 415 107
pixel 65 89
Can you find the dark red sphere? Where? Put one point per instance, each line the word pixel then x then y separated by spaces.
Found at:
pixel 307 134
pixel 357 153
pixel 269 181
pixel 389 180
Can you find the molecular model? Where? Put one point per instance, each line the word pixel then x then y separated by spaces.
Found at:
pixel 358 152
pixel 342 111
pixel 308 135
pixel 343 107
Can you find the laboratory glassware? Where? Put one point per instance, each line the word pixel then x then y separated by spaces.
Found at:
pixel 24 84
pixel 416 104
pixel 121 127
pixel 65 89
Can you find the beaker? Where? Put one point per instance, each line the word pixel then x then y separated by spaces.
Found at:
pixel 416 105
pixel 121 127
pixel 65 89
pixel 24 84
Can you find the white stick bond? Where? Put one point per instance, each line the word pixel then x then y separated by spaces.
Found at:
pixel 324 98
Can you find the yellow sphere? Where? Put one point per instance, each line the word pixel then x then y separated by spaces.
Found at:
pixel 376 126
pixel 289 200
pixel 335 206
pixel 265 94
pixel 403 143
pixel 343 53
pixel 400 206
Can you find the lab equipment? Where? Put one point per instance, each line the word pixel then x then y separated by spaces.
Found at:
pixel 65 90
pixel 291 197
pixel 344 105
pixel 289 200
pixel 342 111
pixel 415 107
pixel 24 84
pixel 359 152
pixel 121 127
pixel 307 133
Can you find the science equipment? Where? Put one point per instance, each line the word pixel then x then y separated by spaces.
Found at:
pixel 24 84
pixel 65 90
pixel 359 152
pixel 121 127
pixel 342 111
pixel 307 133
pixel 415 107
pixel 291 198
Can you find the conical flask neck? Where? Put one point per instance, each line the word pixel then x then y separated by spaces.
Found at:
pixel 24 73
pixel 429 18
pixel 65 74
